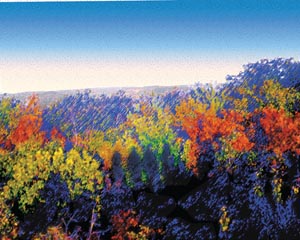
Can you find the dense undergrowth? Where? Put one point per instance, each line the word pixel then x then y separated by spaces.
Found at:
pixel 83 167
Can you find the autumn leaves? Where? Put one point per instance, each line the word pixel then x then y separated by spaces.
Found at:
pixel 189 130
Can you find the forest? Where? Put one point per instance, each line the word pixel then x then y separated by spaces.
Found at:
pixel 204 163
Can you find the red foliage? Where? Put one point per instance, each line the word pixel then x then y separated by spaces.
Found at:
pixel 122 223
pixel 242 143
pixel 126 226
pixel 205 126
pixel 56 135
pixel 29 124
pixel 229 127
pixel 283 130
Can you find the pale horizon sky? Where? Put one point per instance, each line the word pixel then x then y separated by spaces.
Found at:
pixel 59 46
pixel 30 74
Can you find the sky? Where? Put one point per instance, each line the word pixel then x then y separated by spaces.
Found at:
pixel 73 45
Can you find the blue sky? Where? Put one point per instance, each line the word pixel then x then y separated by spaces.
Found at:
pixel 69 45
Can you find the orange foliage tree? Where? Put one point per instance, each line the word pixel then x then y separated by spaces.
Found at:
pixel 29 124
pixel 126 226
pixel 282 130
pixel 57 136
pixel 211 124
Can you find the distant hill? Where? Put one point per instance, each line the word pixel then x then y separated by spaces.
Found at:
pixel 47 97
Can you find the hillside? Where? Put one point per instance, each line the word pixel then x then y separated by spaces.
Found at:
pixel 183 163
